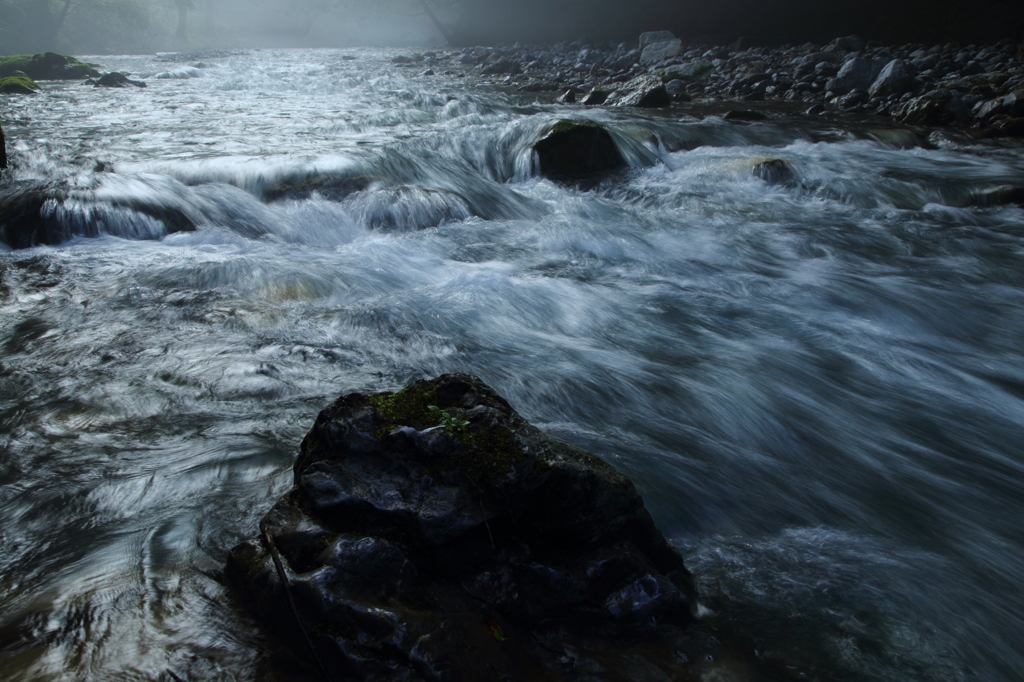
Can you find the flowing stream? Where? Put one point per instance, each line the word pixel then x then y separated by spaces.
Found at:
pixel 817 386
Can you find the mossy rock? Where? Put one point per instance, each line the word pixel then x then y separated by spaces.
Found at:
pixel 434 534
pixel 18 85
pixel 47 66
pixel 576 149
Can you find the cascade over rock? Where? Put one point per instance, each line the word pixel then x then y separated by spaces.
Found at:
pixel 577 149
pixel 433 534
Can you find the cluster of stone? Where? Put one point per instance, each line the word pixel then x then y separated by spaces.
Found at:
pixel 980 86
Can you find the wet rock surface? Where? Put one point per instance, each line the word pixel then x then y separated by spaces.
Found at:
pixel 574 149
pixel 44 212
pixel 117 80
pixel 433 534
pixel 645 92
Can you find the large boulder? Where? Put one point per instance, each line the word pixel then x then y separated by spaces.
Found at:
pixel 647 92
pixel 3 149
pixel 47 66
pixel 659 52
pixel 433 534
pixel 575 149
pixel 895 78
pixel 856 74
pixel 18 85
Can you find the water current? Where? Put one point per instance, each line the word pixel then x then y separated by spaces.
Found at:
pixel 818 387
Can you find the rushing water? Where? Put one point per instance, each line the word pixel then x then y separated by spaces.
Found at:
pixel 818 387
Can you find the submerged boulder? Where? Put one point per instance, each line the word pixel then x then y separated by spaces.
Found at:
pixel 744 115
pixel 647 92
pixel 1000 195
pixel 40 212
pixel 433 534
pixel 577 149
pixel 774 171
pixel 116 79
pixel 47 66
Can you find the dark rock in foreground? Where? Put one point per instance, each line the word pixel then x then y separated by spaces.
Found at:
pixel 577 149
pixel 433 534
pixel 3 149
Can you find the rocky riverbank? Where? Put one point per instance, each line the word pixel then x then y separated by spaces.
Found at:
pixel 975 87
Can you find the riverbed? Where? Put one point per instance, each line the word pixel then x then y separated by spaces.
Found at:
pixel 817 385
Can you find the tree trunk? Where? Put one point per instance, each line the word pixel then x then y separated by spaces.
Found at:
pixel 437 22
pixel 182 18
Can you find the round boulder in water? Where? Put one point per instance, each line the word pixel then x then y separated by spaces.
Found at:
pixel 574 149
pixel 774 171
pixel 117 80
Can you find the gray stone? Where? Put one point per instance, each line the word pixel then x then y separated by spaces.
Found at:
pixel 894 79
pixel 659 52
pixel 647 92
pixel 856 74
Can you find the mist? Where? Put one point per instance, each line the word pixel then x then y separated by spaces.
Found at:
pixel 146 26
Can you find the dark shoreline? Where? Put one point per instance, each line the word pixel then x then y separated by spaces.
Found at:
pixel 975 88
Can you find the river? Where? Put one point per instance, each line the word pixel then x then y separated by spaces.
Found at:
pixel 818 387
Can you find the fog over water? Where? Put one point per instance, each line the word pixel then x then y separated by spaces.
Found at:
pixel 816 386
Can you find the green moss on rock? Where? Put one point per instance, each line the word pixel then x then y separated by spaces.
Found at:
pixel 47 66
pixel 485 455
pixel 18 85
